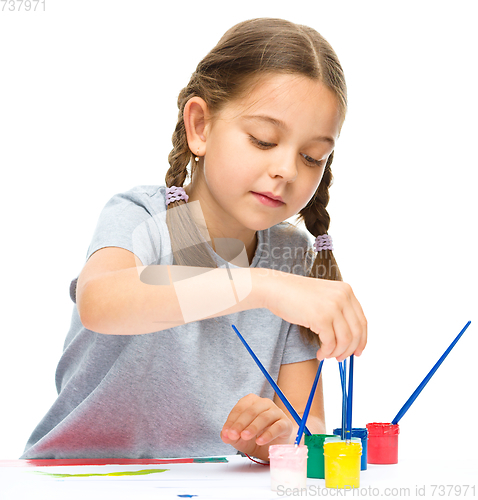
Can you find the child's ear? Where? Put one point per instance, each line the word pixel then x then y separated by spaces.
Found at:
pixel 196 116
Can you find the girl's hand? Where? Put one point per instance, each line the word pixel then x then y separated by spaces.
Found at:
pixel 255 423
pixel 328 308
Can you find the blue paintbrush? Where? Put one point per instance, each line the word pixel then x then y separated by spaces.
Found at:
pixel 309 404
pixel 281 395
pixel 419 389
pixel 348 435
pixel 343 378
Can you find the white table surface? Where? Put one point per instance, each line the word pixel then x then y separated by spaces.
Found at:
pixel 239 478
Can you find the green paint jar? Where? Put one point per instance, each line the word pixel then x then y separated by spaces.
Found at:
pixel 315 460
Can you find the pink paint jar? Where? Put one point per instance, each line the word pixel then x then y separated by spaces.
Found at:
pixel 288 465
pixel 382 443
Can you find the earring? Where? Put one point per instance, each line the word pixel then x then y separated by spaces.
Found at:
pixel 197 156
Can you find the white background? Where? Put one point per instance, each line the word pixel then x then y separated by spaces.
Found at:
pixel 87 108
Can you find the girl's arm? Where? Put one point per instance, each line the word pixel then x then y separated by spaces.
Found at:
pixel 112 299
pixel 295 381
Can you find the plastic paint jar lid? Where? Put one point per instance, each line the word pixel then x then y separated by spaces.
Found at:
pixel 360 432
pixel 316 439
pixel 383 429
pixel 343 447
pixel 287 450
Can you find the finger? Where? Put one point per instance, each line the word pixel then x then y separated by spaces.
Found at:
pixel 356 331
pixel 243 414
pixel 281 428
pixel 228 440
pixel 327 339
pixel 263 420
pixel 353 329
pixel 343 338
pixel 236 411
pixel 241 405
pixel 362 326
pixel 362 343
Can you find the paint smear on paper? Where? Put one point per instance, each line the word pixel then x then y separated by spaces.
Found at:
pixel 123 473
pixel 55 462
pixel 210 460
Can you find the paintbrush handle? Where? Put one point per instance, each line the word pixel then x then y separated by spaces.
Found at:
pixel 343 380
pixel 349 397
pixel 281 395
pixel 309 404
pixel 425 381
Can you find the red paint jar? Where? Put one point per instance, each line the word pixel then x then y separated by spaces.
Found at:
pixel 382 443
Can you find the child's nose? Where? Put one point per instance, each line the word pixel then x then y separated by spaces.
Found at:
pixel 285 166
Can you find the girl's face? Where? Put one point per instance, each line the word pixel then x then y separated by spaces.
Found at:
pixel 276 140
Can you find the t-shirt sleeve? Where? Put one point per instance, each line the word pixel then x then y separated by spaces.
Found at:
pixel 297 348
pixel 129 221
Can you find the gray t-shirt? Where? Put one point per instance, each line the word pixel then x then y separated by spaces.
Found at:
pixel 167 393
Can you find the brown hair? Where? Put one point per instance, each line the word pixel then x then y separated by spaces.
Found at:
pixel 247 51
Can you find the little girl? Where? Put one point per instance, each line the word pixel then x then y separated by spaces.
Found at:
pixel 151 365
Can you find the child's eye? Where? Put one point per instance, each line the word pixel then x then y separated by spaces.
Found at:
pixel 261 144
pixel 311 161
pixel 268 145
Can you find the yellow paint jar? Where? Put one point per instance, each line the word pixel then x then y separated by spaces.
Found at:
pixel 342 463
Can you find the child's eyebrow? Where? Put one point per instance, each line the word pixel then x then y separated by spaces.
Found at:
pixel 283 125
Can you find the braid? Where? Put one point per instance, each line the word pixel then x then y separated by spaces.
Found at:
pixel 317 221
pixel 187 244
pixel 180 156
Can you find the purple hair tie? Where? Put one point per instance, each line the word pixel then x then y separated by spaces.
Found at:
pixel 323 242
pixel 175 193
